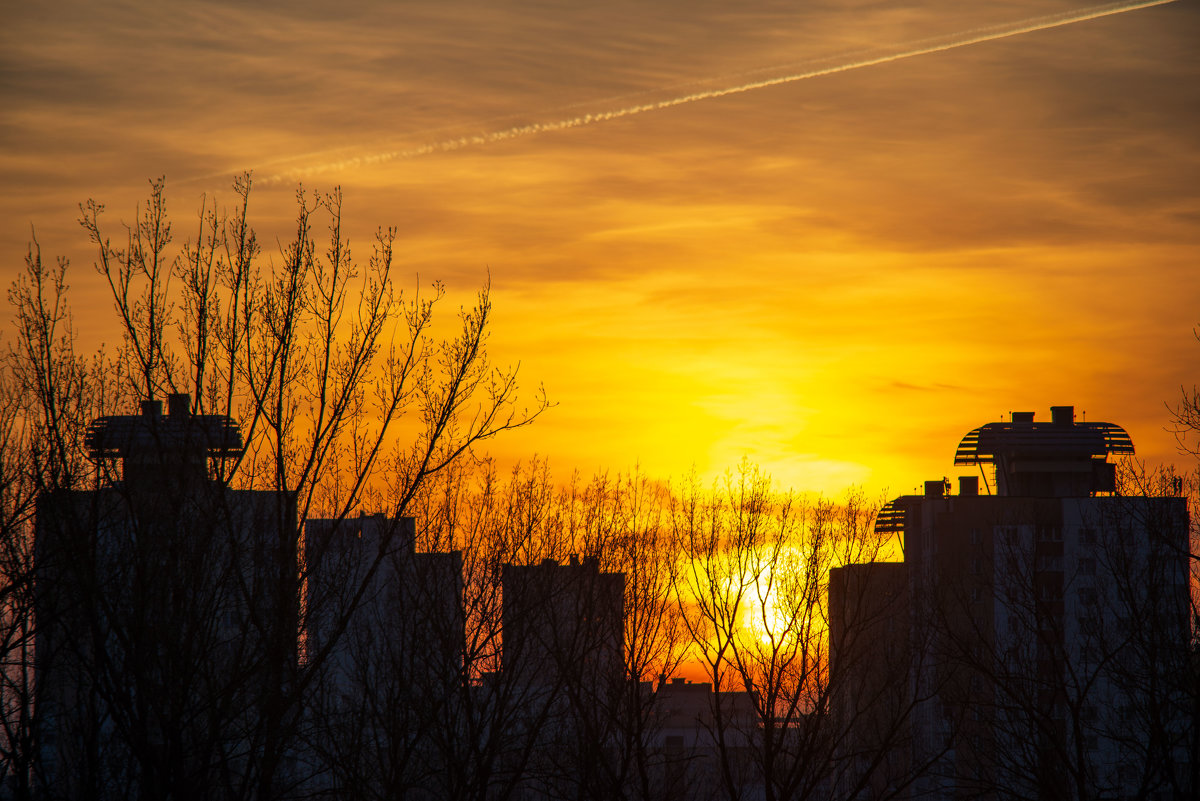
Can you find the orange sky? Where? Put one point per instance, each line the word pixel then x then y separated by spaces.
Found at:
pixel 836 277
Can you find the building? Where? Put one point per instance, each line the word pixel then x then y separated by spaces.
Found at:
pixel 563 672
pixel 690 723
pixel 166 612
pixel 564 625
pixel 869 619
pixel 367 587
pixel 384 635
pixel 1046 621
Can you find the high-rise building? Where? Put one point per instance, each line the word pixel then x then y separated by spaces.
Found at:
pixel 564 624
pixel 1046 621
pixel 369 591
pixel 384 637
pixel 563 671
pixel 869 621
pixel 166 612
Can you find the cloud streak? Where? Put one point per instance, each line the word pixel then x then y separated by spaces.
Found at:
pixel 912 49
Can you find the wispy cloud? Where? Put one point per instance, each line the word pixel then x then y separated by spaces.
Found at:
pixel 773 78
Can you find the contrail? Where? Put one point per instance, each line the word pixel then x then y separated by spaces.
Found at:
pixel 961 39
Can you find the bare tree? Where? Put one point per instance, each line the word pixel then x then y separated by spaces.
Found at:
pixel 17 743
pixel 189 595
pixel 752 583
pixel 47 393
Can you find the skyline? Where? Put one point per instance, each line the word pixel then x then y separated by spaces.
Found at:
pixel 836 278
pixel 1033 643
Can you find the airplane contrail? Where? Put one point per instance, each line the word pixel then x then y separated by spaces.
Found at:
pixel 960 39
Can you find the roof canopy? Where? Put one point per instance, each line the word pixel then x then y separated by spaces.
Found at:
pixel 1041 441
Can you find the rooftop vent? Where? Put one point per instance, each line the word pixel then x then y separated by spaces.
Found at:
pixel 1062 415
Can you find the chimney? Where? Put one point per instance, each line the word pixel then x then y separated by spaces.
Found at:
pixel 968 485
pixel 1022 417
pixel 151 408
pixel 179 404
pixel 935 488
pixel 1062 415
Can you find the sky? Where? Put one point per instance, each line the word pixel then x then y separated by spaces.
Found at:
pixel 835 277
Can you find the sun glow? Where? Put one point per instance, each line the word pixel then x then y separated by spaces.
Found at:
pixel 769 619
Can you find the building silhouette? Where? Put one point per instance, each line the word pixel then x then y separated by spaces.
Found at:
pixel 366 583
pixel 870 669
pixel 563 663
pixel 166 612
pixel 691 725
pixel 1043 628
pixel 384 633
pixel 563 625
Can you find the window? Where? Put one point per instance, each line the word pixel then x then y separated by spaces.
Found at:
pixel 1049 563
pixel 1087 567
pixel 1087 536
pixel 1088 596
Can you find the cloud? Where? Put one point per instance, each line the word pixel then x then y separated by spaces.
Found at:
pixel 771 270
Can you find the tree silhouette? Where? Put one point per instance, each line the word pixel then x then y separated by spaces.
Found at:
pixel 175 607
pixel 752 583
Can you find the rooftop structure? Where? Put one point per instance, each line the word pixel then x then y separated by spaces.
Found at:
pixel 149 443
pixel 1061 458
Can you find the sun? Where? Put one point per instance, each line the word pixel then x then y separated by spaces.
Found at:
pixel 778 608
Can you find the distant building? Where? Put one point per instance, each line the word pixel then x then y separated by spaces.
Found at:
pixel 384 634
pixel 166 612
pixel 563 667
pixel 687 735
pixel 1045 626
pixel 369 589
pixel 869 673
pixel 564 624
